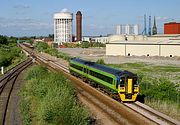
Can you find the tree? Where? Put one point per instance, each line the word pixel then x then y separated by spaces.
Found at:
pixel 3 40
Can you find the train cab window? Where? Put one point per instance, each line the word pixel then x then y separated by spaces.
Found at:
pixel 122 81
pixel 135 81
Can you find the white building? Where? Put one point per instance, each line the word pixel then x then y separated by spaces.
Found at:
pixel 103 39
pixel 63 27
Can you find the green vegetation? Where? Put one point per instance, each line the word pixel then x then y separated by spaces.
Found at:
pixel 160 85
pixel 10 54
pixel 84 44
pixel 92 44
pixel 43 47
pixel 3 40
pixel 49 99
pixel 100 61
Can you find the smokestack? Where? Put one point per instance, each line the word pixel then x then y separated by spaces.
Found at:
pixel 78 26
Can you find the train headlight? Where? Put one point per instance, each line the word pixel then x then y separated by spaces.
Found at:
pixel 121 88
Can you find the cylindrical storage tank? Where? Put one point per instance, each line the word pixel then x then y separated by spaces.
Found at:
pixel 116 38
pixel 127 29
pixel 118 29
pixel 139 37
pixel 63 27
pixel 136 29
pixel 131 38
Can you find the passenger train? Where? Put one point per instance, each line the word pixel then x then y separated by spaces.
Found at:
pixel 119 83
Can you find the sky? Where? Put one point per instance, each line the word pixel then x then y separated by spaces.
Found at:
pixel 100 17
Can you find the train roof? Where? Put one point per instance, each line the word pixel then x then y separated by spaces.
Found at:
pixel 102 67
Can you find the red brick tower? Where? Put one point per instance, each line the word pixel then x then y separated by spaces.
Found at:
pixel 78 26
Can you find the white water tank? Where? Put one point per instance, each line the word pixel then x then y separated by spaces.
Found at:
pixel 63 27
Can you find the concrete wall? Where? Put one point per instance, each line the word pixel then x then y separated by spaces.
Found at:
pixel 151 50
pixel 114 49
pixel 142 49
pixel 167 50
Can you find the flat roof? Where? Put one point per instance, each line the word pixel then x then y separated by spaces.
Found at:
pixel 166 42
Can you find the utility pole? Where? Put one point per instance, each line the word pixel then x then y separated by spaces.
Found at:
pixel 145 30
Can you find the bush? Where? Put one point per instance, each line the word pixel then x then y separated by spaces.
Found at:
pixel 100 61
pixel 41 46
pixel 159 89
pixel 53 99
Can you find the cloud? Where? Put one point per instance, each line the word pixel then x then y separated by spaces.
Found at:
pixel 64 10
pixel 21 6
pixel 24 24
pixel 165 19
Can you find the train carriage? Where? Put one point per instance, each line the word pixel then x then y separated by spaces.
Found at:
pixel 122 83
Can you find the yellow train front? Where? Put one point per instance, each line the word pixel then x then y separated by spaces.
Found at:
pixel 128 88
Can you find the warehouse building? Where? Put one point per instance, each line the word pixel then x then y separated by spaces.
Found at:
pixel 144 46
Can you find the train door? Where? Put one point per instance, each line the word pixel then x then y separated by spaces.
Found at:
pixel 117 82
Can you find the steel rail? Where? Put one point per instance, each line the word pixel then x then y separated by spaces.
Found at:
pixel 13 75
pixel 152 114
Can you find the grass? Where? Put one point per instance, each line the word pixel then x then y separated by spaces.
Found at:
pixel 169 108
pixel 167 68
pixel 49 99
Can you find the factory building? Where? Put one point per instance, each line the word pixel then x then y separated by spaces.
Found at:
pixel 63 27
pixel 172 28
pixel 156 45
pixel 78 26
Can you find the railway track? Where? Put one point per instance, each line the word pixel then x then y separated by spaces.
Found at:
pixel 152 114
pixel 128 113
pixel 7 83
